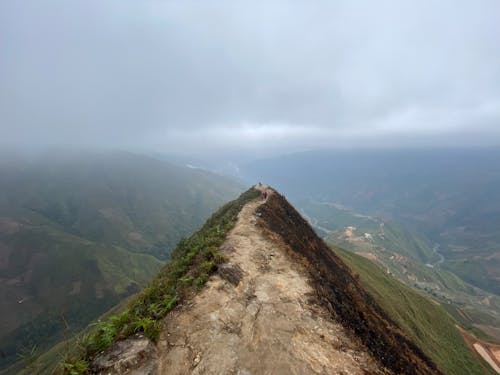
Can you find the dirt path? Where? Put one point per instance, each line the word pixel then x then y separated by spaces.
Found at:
pixel 488 351
pixel 486 355
pixel 265 324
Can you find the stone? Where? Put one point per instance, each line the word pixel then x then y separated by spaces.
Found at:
pixel 132 356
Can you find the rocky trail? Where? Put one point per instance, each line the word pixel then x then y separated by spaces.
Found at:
pixel 279 305
pixel 257 317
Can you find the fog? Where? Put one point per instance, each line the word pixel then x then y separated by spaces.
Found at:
pixel 252 77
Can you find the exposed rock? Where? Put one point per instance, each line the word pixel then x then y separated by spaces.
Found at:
pixel 134 356
pixel 274 308
pixel 257 315
pixel 231 272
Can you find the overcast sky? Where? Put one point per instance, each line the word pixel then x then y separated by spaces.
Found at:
pixel 198 76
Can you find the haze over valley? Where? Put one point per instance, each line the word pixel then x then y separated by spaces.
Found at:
pixel 181 181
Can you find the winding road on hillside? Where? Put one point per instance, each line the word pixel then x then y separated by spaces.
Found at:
pixel 315 224
pixel 435 248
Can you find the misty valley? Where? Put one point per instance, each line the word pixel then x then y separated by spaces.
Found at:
pixel 241 187
pixel 82 232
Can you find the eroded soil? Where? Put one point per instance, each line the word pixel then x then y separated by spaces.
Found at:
pixel 488 351
pixel 261 319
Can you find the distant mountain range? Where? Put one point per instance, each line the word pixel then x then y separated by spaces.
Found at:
pixel 451 197
pixel 410 258
pixel 81 231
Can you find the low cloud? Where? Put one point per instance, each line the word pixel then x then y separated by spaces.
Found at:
pixel 243 75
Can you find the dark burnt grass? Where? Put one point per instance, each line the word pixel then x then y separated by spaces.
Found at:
pixel 340 291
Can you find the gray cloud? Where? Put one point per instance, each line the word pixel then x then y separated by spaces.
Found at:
pixel 246 75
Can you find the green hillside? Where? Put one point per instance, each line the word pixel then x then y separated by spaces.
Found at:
pixel 385 234
pixel 115 198
pixel 409 257
pixel 451 196
pixel 192 262
pixel 425 322
pixel 79 232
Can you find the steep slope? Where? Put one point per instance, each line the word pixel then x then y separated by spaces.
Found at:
pixel 81 231
pixel 330 217
pixel 452 196
pixel 193 261
pixel 425 322
pixel 409 258
pixel 264 319
pixel 280 301
pixel 116 198
pixel 341 292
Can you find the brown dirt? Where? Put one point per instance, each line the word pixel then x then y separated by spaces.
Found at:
pixel 488 351
pixel 339 291
pixel 485 353
pixel 260 317
pixel 496 354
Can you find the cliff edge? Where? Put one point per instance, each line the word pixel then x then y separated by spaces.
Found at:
pixel 281 303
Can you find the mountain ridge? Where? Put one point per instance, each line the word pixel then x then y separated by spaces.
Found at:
pixel 335 292
pixel 256 290
pixel 341 291
pixel 449 195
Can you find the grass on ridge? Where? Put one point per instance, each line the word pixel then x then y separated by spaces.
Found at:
pixel 193 260
pixel 426 323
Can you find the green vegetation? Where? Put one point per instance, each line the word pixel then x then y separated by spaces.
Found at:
pixel 425 322
pixel 450 196
pixel 81 232
pixel 384 234
pixel 409 258
pixel 410 244
pixel 480 271
pixel 193 260
pixel 75 281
